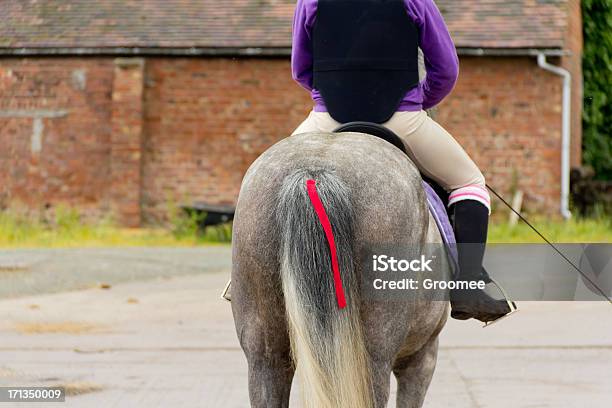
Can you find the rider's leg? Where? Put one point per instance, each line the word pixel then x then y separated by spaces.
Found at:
pixel 439 156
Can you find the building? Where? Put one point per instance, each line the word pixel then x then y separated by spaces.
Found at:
pixel 125 107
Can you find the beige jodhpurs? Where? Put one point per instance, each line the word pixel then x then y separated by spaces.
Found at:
pixel 434 151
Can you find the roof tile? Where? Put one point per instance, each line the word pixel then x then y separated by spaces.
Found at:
pixel 250 23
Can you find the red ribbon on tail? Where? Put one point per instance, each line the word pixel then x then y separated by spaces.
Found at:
pixel 320 210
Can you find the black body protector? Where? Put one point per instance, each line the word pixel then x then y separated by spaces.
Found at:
pixel 365 57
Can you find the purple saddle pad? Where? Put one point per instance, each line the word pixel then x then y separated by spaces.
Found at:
pixel 438 210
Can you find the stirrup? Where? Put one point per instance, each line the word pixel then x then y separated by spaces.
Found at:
pixel 511 304
pixel 227 294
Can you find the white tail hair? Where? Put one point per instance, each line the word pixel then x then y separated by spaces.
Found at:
pixel 327 342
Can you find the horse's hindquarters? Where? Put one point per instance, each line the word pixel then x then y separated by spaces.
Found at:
pixel 384 192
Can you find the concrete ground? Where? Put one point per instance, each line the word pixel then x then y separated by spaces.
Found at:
pixel 146 328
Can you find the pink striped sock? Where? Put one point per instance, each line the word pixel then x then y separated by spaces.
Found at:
pixel 472 192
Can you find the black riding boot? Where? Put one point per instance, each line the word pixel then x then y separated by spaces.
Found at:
pixel 470 222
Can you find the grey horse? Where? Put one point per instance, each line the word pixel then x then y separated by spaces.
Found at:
pixel 283 300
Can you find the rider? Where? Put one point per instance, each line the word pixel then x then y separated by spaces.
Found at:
pixel 359 60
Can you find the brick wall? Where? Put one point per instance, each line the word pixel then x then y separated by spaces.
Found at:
pixel 54 132
pixel 126 141
pixel 107 135
pixel 207 120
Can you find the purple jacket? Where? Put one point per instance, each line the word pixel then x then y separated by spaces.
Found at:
pixel 441 59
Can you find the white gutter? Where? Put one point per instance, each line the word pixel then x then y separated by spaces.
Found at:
pixel 565 131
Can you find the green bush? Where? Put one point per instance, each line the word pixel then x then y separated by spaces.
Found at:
pixel 597 68
pixel 185 226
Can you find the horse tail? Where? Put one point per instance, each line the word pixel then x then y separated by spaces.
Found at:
pixel 327 341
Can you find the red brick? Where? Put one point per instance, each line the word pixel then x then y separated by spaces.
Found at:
pixel 185 129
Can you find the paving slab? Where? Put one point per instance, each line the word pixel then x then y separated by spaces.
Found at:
pixel 36 271
pixel 169 340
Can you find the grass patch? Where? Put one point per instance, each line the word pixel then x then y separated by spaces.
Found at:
pixel 65 228
pixel 575 230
